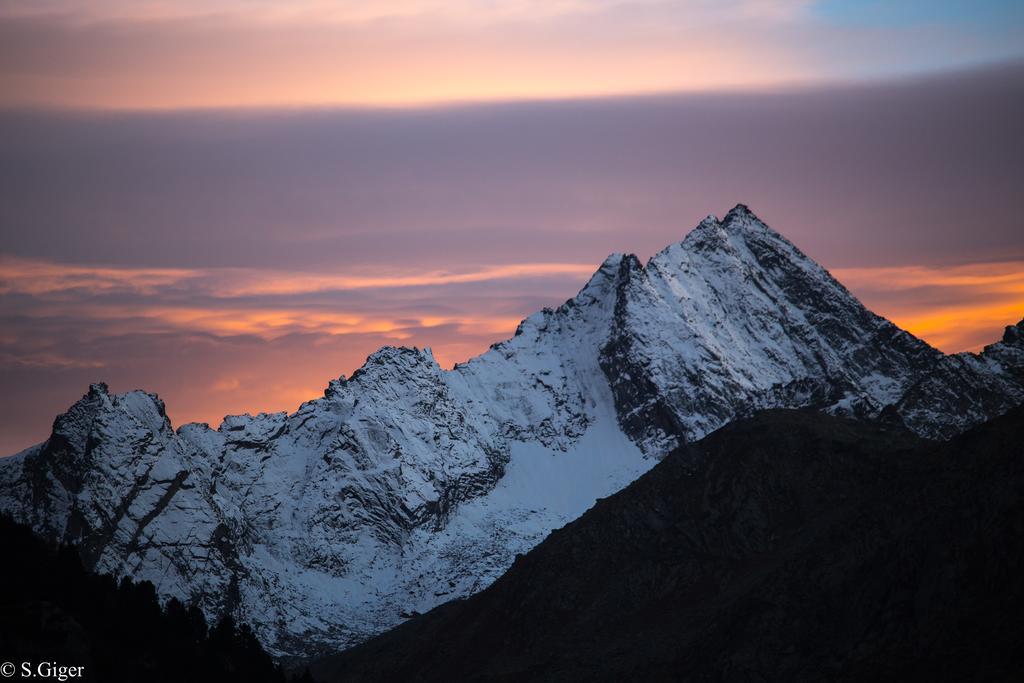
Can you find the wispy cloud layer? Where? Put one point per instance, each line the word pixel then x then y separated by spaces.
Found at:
pixel 24 276
pixel 227 53
pixel 359 11
pixel 265 304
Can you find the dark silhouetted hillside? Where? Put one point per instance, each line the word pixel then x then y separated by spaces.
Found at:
pixel 789 546
pixel 51 610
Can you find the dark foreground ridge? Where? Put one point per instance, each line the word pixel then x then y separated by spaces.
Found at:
pixel 55 614
pixel 789 546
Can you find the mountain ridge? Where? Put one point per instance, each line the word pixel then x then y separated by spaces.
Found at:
pixel 407 484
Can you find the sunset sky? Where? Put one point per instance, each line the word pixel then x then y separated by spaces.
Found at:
pixel 231 202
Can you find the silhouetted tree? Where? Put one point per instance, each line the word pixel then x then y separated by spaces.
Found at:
pixel 51 609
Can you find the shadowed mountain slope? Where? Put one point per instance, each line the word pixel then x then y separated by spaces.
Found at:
pixel 790 546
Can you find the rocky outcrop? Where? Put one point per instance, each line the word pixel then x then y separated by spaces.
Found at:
pixel 964 389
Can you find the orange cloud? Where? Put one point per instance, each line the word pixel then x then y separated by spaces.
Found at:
pixel 25 276
pixel 954 308
pixel 252 283
pixel 270 323
pixel 40 277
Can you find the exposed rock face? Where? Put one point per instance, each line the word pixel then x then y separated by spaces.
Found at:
pixel 407 485
pixel 792 546
pixel 964 389
pixel 736 319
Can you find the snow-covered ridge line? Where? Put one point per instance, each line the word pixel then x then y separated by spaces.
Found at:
pixel 406 484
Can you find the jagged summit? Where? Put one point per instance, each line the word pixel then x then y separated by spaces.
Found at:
pixel 739 226
pixel 709 233
pixel 741 214
pixel 406 485
pixel 738 217
pixel 1014 334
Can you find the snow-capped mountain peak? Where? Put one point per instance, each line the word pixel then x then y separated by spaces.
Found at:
pixel 407 484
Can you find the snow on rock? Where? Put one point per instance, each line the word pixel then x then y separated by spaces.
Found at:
pixel 734 319
pixel 407 485
pixel 966 389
